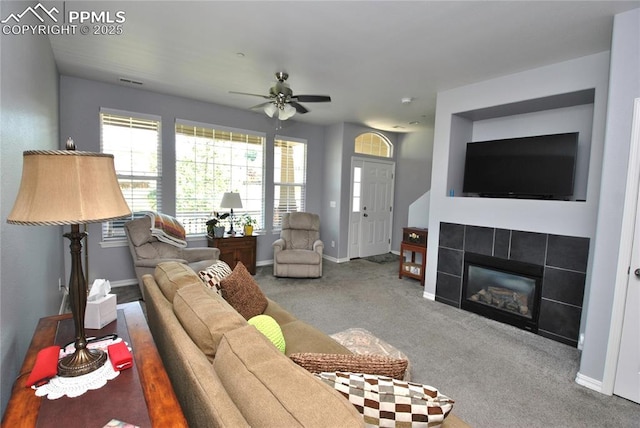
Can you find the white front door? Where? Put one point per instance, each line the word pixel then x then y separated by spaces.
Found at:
pixel 372 208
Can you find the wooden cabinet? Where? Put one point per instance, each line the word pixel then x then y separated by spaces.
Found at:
pixel 414 240
pixel 234 249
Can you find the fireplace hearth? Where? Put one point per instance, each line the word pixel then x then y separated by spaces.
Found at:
pixel 505 290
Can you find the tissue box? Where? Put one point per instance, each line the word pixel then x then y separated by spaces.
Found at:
pixel 100 312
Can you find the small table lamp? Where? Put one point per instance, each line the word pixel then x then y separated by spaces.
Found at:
pixel 68 187
pixel 231 200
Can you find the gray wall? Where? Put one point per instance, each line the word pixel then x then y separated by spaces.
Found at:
pixel 414 157
pixel 333 164
pixel 624 86
pixel 31 258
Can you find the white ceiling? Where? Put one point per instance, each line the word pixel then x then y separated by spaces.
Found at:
pixel 367 55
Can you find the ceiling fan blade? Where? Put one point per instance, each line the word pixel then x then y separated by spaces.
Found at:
pixel 312 98
pixel 260 106
pixel 266 97
pixel 299 107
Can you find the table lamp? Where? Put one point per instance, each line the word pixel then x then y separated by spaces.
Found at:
pixel 69 187
pixel 231 200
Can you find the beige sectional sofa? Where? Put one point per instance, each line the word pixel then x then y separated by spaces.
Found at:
pixel 226 373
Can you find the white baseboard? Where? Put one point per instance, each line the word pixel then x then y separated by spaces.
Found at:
pixel 429 296
pixel 335 260
pixel 123 283
pixel 588 382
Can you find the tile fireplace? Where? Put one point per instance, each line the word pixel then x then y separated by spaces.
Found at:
pixel 560 260
pixel 504 290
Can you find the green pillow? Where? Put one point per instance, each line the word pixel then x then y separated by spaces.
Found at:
pixel 270 328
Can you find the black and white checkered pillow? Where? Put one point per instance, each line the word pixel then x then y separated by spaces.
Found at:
pixel 215 273
pixel 387 402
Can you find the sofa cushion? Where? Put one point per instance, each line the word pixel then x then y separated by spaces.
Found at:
pixel 388 402
pixel 275 311
pixel 370 364
pixel 205 317
pixel 171 276
pixel 303 257
pixel 302 337
pixel 270 329
pixel 243 293
pixel 213 274
pixel 139 230
pixel 271 391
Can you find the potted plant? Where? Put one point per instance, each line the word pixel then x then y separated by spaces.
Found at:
pixel 214 226
pixel 249 223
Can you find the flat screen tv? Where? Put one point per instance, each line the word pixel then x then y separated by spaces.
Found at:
pixel 528 167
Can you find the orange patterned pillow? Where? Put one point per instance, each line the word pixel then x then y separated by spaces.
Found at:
pixel 243 293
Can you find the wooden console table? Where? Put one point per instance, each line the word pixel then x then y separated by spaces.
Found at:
pixel 234 249
pixel 142 395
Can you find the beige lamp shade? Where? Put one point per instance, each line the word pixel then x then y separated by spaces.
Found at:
pixel 61 187
pixel 231 200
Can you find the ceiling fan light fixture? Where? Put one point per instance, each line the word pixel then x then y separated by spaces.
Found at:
pixel 270 109
pixel 286 112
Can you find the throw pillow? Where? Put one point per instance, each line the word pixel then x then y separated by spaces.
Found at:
pixel 270 328
pixel 212 275
pixel 243 292
pixel 387 402
pixel 370 364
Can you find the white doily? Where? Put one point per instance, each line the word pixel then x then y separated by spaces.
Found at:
pixel 75 386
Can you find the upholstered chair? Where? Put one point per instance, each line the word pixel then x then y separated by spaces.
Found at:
pixel 298 252
pixel 147 251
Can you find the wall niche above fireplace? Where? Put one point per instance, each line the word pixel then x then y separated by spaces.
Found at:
pixel 561 259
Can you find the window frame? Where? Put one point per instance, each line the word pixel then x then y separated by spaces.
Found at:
pixel 277 181
pixel 113 230
pixel 381 138
pixel 258 214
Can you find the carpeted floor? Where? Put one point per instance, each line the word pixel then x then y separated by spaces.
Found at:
pixel 500 376
pixel 383 258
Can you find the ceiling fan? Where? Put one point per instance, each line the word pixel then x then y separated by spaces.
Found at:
pixel 282 103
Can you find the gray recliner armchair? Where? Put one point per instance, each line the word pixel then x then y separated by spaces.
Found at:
pixel 147 251
pixel 298 252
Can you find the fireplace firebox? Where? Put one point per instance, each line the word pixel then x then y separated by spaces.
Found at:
pixel 508 291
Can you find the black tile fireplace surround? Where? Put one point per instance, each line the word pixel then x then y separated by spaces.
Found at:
pixel 562 258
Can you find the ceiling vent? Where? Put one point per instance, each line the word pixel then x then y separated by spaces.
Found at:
pixel 130 81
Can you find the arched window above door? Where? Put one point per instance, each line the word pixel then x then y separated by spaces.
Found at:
pixel 371 143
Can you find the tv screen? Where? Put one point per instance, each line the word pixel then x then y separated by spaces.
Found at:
pixel 528 167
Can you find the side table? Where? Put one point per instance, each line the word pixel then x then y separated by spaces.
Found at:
pixel 414 241
pixel 234 249
pixel 143 390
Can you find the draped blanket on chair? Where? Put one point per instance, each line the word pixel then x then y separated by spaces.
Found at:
pixel 167 229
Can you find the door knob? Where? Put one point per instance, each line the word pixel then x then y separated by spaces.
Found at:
pixel 367 215
pixel 637 272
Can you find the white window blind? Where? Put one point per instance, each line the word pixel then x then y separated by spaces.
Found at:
pixel 373 144
pixel 210 161
pixel 289 178
pixel 134 141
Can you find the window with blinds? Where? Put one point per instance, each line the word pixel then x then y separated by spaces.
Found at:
pixel 211 161
pixel 289 178
pixel 134 141
pixel 373 144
